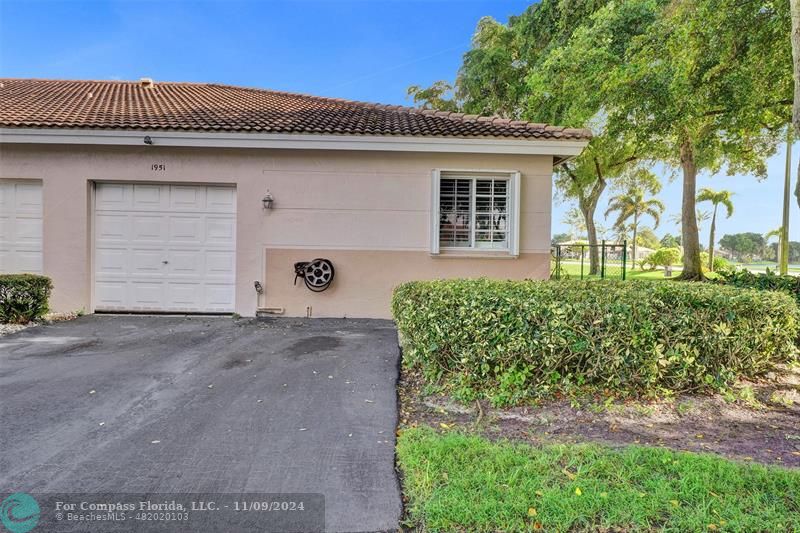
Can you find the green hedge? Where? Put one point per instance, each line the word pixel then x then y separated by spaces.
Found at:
pixel 23 297
pixel 769 281
pixel 510 341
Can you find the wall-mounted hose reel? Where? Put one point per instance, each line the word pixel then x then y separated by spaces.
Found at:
pixel 317 274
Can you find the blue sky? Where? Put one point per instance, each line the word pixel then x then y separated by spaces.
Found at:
pixel 363 50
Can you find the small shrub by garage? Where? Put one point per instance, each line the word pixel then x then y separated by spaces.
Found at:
pixel 510 341
pixel 23 297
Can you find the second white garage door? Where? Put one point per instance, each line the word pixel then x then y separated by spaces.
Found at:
pixel 20 226
pixel 164 247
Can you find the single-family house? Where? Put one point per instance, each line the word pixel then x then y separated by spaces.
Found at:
pixel 199 197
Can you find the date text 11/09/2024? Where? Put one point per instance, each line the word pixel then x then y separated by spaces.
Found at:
pixel 147 506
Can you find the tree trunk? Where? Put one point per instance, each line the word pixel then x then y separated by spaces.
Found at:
pixel 587 204
pixel 711 240
pixel 795 9
pixel 635 231
pixel 783 246
pixel 690 237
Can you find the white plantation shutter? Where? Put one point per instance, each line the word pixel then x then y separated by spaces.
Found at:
pixel 475 211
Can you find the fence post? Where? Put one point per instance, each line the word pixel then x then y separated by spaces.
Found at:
pixel 603 259
pixel 624 258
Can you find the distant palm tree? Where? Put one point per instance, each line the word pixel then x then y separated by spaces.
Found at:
pixel 777 232
pixel 633 204
pixel 716 198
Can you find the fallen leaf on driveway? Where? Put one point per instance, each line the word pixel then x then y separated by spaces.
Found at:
pixel 92 391
pixel 369 401
pixel 154 441
pixel 302 429
pixel 211 386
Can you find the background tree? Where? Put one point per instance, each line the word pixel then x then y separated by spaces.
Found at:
pixel 744 246
pixel 632 205
pixel 706 87
pixel 716 198
pixel 586 178
pixel 516 70
pixel 795 42
pixel 670 241
pixel 576 223
pixel 774 251
pixel 648 239
pixel 558 238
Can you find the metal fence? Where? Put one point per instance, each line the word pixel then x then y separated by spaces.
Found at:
pixel 573 261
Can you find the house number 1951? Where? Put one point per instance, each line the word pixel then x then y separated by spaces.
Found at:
pixel 158 167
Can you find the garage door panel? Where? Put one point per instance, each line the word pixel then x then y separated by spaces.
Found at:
pixel 148 294
pixel 111 294
pixel 112 227
pixel 5 228
pixel 20 226
pixel 110 261
pixel 148 228
pixel 148 198
pixel 186 229
pixel 113 197
pixel 146 262
pixel 185 296
pixel 165 247
pixel 29 230
pixel 186 263
pixel 29 197
pixel 187 198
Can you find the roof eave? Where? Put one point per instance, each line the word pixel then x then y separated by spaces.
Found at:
pixel 299 141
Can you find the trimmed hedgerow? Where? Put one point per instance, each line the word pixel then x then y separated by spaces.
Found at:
pixel 510 341
pixel 769 281
pixel 23 297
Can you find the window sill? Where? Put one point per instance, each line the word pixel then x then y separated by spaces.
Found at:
pixel 474 254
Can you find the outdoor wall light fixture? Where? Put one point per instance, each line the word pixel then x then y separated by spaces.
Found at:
pixel 267 200
pixel 148 140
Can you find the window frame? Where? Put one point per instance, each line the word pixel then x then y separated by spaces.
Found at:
pixel 513 211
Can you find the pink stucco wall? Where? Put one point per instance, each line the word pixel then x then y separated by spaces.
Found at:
pixel 368 211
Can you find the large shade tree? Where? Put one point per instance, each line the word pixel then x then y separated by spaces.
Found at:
pixel 706 87
pixel 517 70
pixel 716 198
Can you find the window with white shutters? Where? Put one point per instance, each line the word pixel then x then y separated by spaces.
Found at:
pixel 474 212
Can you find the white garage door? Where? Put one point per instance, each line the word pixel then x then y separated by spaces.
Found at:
pixel 164 247
pixel 20 226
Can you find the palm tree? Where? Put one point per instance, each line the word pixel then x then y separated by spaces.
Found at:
pixel 716 198
pixel 633 204
pixel 777 232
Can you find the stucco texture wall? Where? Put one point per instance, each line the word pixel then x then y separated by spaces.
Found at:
pixel 369 212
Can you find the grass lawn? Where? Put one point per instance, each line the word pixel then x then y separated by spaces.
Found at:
pixel 455 482
pixel 573 270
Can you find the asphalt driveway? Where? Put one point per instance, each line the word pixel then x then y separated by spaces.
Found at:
pixel 128 404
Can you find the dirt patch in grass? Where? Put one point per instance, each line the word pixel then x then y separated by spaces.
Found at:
pixel 757 421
